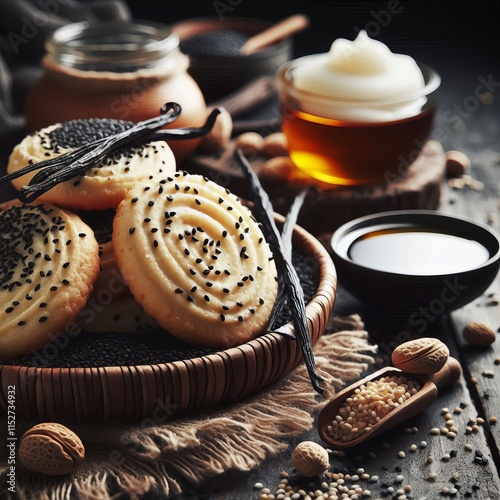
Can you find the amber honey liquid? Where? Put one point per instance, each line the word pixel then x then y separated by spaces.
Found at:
pixel 353 153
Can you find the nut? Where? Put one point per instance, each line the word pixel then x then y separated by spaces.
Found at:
pixel 250 143
pixel 420 356
pixel 277 169
pixel 220 135
pixel 50 448
pixel 310 459
pixel 457 163
pixel 275 145
pixel 478 334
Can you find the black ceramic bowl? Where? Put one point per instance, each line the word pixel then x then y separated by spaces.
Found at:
pixel 219 75
pixel 415 296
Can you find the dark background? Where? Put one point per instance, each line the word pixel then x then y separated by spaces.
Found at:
pixel 452 35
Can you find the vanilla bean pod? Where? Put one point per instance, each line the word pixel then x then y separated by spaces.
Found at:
pixel 286 236
pixel 74 163
pixel 285 267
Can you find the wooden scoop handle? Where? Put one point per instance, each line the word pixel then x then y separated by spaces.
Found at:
pixel 448 375
pixel 273 34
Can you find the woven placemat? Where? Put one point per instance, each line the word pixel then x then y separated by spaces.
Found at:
pixel 162 455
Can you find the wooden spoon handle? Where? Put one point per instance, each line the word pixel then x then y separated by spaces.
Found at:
pixel 273 34
pixel 448 375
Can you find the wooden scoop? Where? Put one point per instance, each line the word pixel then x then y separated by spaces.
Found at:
pixel 414 405
pixel 275 33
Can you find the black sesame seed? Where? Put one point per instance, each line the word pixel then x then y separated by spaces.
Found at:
pixel 131 230
pixel 179 290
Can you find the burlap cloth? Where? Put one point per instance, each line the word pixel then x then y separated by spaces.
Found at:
pixel 155 458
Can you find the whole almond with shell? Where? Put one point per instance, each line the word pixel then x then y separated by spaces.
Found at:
pixel 50 448
pixel 421 356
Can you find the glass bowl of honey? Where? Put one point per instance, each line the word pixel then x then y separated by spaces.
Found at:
pixel 357 115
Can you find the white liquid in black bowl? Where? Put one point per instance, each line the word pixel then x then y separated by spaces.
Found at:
pixel 417 251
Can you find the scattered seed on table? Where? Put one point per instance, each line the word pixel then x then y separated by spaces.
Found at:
pixel 468 447
pixel 457 410
pixel 479 421
pixel 444 411
pixel 413 447
pixel 258 486
pixel 423 444
pixel 447 415
pixel 432 476
pixel 446 457
pixel 401 454
pixel 492 420
pixel 435 431
pixel 399 478
pixel 430 459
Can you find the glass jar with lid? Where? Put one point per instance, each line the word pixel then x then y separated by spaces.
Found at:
pixel 119 70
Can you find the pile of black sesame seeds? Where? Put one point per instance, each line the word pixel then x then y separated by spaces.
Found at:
pixel 88 350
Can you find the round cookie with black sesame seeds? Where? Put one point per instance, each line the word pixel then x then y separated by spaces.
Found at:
pixel 49 264
pixel 103 185
pixel 196 259
pixel 111 307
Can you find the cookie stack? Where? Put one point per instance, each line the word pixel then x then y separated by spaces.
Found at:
pixel 181 252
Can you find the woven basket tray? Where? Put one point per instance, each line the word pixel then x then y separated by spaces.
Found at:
pixel 92 395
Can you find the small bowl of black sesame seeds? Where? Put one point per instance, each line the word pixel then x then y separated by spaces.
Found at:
pixel 214 50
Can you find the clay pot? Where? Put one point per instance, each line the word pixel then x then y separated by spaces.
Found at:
pixel 117 83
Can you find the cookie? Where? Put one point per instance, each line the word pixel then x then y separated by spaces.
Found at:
pixel 50 260
pixel 196 259
pixel 111 307
pixel 104 185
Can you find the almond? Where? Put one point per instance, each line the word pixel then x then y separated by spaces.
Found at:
pixel 421 356
pixel 275 145
pixel 250 143
pixel 478 334
pixel 50 448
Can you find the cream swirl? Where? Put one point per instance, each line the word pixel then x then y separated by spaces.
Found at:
pixel 360 80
